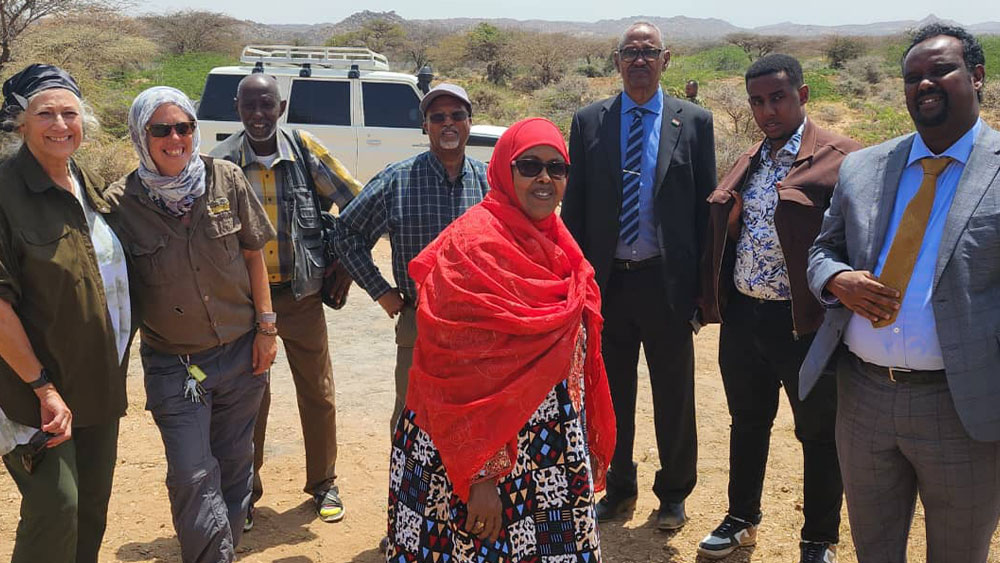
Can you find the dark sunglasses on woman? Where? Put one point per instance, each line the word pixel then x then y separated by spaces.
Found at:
pixel 529 168
pixel 34 451
pixel 184 128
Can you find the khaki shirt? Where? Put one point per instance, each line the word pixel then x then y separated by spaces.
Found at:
pixel 192 285
pixel 50 276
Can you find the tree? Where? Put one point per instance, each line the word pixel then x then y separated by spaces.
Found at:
pixel 418 45
pixel 379 35
pixel 842 49
pixel 547 55
pixel 17 15
pixel 756 46
pixel 490 45
pixel 195 31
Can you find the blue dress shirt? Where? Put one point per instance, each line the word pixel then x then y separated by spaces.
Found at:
pixel 912 341
pixel 646 245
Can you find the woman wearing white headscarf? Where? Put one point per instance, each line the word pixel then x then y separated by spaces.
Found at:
pixel 194 231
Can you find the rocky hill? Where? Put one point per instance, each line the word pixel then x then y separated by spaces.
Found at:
pixel 675 28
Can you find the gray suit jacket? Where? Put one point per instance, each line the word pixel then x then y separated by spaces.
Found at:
pixel 966 294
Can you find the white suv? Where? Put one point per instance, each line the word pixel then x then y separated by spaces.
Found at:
pixel 367 116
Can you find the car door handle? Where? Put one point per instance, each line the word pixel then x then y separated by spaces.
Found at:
pixel 374 141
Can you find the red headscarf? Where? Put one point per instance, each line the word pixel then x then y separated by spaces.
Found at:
pixel 501 299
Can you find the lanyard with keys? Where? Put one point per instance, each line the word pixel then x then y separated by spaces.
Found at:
pixel 193 391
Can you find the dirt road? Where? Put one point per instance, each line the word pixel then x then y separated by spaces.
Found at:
pixel 139 528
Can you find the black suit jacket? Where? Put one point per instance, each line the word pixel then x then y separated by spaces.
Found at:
pixel 685 175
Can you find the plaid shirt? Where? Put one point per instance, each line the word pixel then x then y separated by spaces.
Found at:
pixel 413 201
pixel 334 185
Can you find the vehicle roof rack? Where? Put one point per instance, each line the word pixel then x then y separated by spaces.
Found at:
pixel 328 57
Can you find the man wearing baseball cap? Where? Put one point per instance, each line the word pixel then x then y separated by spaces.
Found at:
pixel 413 201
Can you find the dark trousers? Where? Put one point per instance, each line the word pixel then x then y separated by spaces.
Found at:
pixel 636 312
pixel 897 440
pixel 758 355
pixel 302 328
pixel 64 502
pixel 208 446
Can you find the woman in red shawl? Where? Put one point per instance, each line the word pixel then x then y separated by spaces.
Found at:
pixel 509 427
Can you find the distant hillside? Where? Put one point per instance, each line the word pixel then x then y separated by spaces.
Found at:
pixel 680 28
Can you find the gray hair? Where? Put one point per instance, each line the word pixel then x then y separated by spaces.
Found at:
pixel 651 25
pixel 11 142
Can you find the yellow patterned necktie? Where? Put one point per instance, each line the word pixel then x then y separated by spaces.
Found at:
pixel 905 247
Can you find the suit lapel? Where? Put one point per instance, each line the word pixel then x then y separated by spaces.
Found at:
pixel 610 137
pixel 890 169
pixel 670 132
pixel 977 176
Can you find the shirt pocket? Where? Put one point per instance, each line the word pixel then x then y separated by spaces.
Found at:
pixel 223 243
pixel 53 260
pixel 150 259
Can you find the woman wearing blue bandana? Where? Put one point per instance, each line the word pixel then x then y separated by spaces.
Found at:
pixel 65 323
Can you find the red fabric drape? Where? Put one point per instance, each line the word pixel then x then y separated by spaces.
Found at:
pixel 500 303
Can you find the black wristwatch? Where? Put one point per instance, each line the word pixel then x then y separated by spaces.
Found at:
pixel 42 381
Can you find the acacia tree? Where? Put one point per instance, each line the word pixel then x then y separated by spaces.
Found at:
pixel 756 46
pixel 194 31
pixel 489 44
pixel 17 15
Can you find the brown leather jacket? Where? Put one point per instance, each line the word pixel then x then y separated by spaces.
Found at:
pixel 803 196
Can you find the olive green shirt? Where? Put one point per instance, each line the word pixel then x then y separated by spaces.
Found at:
pixel 50 276
pixel 192 285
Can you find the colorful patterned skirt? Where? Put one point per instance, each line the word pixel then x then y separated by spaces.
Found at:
pixel 547 498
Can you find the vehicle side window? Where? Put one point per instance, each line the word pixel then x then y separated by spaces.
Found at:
pixel 320 102
pixel 217 99
pixel 391 105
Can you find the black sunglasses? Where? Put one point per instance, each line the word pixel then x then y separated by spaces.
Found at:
pixel 529 168
pixel 459 115
pixel 34 451
pixel 630 54
pixel 184 128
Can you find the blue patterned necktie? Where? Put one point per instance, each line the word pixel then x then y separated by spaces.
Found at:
pixel 628 221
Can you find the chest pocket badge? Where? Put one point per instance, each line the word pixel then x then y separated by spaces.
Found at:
pixel 218 206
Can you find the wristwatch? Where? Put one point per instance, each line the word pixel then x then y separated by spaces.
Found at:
pixel 42 381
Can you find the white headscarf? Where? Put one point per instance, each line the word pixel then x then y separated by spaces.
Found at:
pixel 175 193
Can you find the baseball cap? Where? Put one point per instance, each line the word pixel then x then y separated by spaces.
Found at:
pixel 445 89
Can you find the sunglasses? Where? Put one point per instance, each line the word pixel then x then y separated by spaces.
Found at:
pixel 530 168
pixel 184 128
pixel 34 451
pixel 459 115
pixel 630 54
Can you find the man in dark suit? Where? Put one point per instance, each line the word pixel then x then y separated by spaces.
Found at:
pixel 643 166
pixel 909 259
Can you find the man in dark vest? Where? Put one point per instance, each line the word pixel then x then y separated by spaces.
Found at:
pixel 295 178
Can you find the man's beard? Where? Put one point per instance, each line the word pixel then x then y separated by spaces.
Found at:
pixel 268 137
pixel 932 120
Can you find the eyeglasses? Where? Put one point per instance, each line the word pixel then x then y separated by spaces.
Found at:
pixel 459 115
pixel 630 54
pixel 35 451
pixel 184 128
pixel 530 168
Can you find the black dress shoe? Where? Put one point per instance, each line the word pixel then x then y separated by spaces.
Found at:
pixel 671 516
pixel 612 506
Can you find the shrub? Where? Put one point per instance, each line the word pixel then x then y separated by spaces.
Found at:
pixel 859 75
pixel 843 49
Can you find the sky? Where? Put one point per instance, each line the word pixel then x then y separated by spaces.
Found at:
pixel 742 13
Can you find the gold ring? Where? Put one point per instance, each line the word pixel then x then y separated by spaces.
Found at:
pixel 479 526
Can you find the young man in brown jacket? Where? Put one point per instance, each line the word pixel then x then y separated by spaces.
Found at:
pixel 764 216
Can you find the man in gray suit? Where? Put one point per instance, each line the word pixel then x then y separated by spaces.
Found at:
pixel 908 259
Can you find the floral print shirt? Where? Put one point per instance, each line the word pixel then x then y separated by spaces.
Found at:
pixel 760 270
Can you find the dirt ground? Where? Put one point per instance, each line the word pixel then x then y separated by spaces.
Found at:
pixel 361 336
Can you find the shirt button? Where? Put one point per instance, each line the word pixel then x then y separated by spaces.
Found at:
pixel 895 330
pixel 205 298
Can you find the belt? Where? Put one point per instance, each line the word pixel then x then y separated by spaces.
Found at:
pixel 633 265
pixel 902 375
pixel 281 285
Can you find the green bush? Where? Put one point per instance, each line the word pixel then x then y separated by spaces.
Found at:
pixel 704 66
pixel 880 123
pixel 820 87
pixel 843 49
